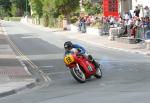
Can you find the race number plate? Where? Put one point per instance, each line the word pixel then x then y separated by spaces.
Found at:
pixel 68 59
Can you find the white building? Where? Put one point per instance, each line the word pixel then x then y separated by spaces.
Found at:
pixel 142 3
pixel 129 5
pixel 125 5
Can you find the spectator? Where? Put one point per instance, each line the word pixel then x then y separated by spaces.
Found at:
pixel 88 20
pixel 146 24
pixel 133 31
pixel 146 12
pixel 111 21
pixel 82 24
pixel 137 11
pixel 126 16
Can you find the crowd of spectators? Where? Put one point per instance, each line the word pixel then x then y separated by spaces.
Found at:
pixel 86 20
pixel 131 23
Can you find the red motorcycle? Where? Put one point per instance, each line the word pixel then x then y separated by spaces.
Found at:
pixel 80 67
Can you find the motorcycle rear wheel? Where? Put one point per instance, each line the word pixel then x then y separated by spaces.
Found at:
pixel 78 74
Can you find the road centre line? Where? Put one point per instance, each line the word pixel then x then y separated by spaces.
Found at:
pixel 46 78
pixel 22 55
pixel 28 60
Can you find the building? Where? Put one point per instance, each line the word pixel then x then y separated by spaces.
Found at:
pixel 110 8
pixel 129 5
pixel 116 7
pixel 141 3
pixel 125 5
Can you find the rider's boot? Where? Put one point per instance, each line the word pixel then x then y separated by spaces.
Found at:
pixel 93 61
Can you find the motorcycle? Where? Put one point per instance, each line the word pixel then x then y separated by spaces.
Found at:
pixel 80 67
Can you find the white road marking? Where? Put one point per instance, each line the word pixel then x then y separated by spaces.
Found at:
pixel 54 73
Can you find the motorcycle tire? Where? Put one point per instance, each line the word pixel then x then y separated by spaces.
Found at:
pixel 78 74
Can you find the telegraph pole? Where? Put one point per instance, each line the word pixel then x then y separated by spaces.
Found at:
pixel 81 5
pixel 26 7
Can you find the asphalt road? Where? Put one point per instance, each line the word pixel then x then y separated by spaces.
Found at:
pixel 125 79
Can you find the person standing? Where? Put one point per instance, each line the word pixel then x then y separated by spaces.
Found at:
pixel 146 12
pixel 137 11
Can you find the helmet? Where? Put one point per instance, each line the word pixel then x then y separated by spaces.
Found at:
pixel 68 45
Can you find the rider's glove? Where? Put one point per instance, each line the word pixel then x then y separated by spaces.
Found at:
pixel 79 50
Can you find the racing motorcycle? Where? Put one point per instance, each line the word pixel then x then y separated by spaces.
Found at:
pixel 80 67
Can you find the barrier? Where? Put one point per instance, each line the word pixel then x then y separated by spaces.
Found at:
pixel 147 39
pixel 113 32
pixel 105 29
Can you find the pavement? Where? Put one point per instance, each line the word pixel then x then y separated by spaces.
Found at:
pixel 101 41
pixel 104 42
pixel 14 75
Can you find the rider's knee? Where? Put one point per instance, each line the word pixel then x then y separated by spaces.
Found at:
pixel 90 57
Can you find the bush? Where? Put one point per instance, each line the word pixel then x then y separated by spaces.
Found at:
pixel 12 18
pixel 74 19
pixel 53 22
pixel 45 20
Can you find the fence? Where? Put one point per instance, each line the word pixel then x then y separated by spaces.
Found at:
pixel 142 33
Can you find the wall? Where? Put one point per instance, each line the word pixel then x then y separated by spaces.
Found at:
pixel 143 2
pixel 90 31
pixel 125 5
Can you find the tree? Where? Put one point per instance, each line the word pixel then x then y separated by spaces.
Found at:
pixel 19 7
pixel 5 7
pixel 36 7
pixel 65 7
pixel 46 11
pixel 92 8
pixel 13 7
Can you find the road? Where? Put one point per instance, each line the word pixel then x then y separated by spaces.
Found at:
pixel 125 79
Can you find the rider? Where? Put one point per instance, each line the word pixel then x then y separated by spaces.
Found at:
pixel 82 51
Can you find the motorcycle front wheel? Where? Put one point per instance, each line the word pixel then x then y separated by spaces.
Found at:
pixel 78 74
